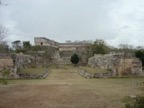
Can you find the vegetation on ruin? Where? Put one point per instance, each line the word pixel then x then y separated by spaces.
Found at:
pixel 75 59
pixel 140 54
pixel 5 73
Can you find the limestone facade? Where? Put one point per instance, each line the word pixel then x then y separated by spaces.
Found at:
pixel 68 46
pixel 45 42
pixel 120 64
pixel 67 49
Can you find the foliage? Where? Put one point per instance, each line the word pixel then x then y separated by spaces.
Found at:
pixel 89 52
pixel 140 54
pixel 44 52
pixel 126 48
pixel 123 48
pixel 136 102
pixel 5 73
pixel 3 81
pixel 75 59
pixel 26 45
pixel 98 47
pixel 4 47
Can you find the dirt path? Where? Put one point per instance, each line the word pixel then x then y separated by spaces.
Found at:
pixel 61 89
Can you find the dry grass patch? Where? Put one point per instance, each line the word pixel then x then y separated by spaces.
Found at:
pixel 66 89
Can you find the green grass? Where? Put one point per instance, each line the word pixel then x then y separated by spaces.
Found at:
pixel 94 70
pixel 37 70
pixel 62 67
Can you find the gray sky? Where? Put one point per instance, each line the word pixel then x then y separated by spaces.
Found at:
pixel 116 21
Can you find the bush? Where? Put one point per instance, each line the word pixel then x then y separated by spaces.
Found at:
pixel 3 81
pixel 75 59
pixel 137 102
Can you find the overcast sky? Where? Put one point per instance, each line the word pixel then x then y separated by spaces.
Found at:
pixel 116 21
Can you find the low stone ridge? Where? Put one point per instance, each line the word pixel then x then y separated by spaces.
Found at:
pixel 34 76
pixel 87 74
pixel 22 61
pixel 15 62
pixel 120 64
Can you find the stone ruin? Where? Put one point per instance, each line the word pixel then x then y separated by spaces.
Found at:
pixel 14 62
pixel 6 62
pixel 66 50
pixel 119 63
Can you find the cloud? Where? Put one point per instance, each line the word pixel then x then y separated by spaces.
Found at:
pixel 116 21
pixel 11 25
pixel 127 17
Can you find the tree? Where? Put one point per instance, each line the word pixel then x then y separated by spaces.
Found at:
pixel 140 54
pixel 75 59
pixel 26 45
pixel 3 30
pixel 99 47
pixel 3 33
pixel 126 48
pixel 4 47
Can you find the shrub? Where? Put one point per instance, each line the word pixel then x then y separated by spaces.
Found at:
pixel 75 59
pixel 137 102
pixel 3 81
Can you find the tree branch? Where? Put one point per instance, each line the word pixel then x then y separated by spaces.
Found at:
pixel 3 33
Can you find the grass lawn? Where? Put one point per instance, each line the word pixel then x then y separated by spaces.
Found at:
pixel 37 70
pixel 94 70
pixel 64 88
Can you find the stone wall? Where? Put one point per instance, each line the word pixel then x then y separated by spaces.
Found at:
pixel 6 62
pixel 22 61
pixel 14 62
pixel 120 64
pixel 87 74
pixel 66 50
pixel 66 56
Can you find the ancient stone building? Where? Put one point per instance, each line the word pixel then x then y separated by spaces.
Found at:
pixel 45 42
pixel 67 49
pixel 67 46
pixel 120 64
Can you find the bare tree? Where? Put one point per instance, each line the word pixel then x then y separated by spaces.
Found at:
pixel 1 3
pixel 3 30
pixel 3 33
